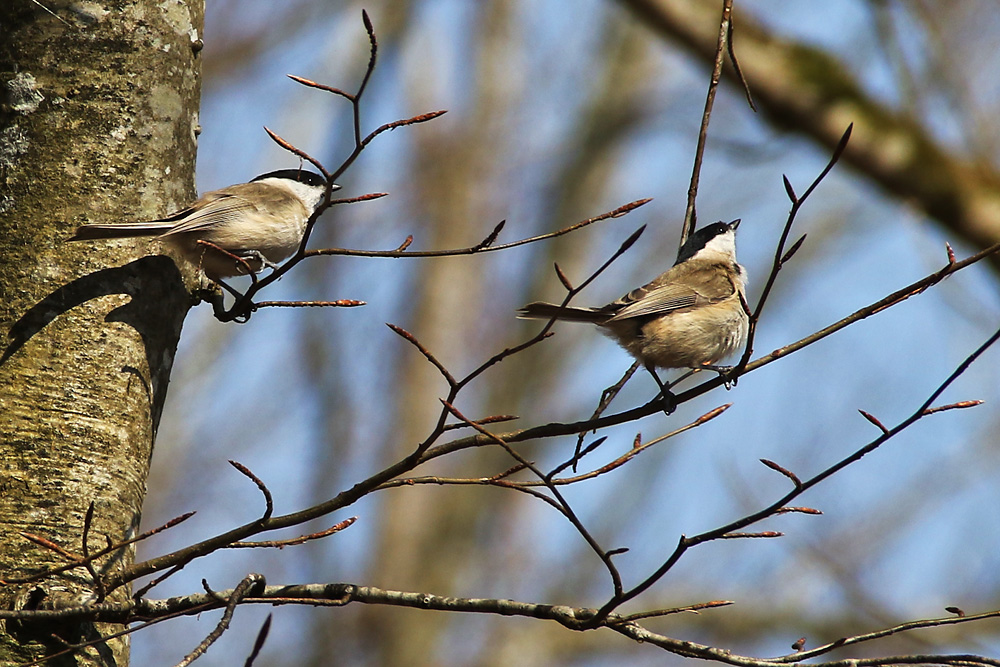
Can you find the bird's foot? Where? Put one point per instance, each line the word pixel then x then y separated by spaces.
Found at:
pixel 668 401
pixel 725 372
pixel 257 256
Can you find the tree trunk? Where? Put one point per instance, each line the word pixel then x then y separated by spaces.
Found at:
pixel 98 122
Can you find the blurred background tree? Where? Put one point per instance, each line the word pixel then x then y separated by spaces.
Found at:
pixel 560 111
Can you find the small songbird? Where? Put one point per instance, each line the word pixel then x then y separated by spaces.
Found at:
pixel 261 222
pixel 690 316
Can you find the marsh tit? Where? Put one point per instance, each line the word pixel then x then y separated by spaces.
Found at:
pixel 690 316
pixel 262 222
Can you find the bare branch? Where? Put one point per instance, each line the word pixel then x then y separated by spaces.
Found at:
pixel 78 561
pixel 312 84
pixel 730 44
pixel 298 152
pixel 787 473
pixel 339 303
pixel 475 249
pixel 953 406
pixel 50 545
pixel 874 420
pixel 575 618
pixel 564 506
pixel 428 355
pixel 690 214
pixel 780 256
pixel 302 539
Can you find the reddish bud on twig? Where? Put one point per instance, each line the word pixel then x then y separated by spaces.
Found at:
pixel 730 46
pixel 800 644
pixel 627 208
pixel 711 414
pixel 630 240
pixel 49 544
pixel 258 643
pixel 410 338
pixel 360 198
pixel 493 419
pixel 794 249
pixel 405 244
pixel 842 144
pixel 489 240
pixel 870 417
pixel 951 253
pixel 301 539
pixel 320 86
pixel 615 552
pixel 369 28
pixel 506 473
pixel 562 277
pixel 787 473
pixel 169 524
pixel 340 303
pixel 799 510
pixel 788 189
pixel 298 152
pixel 952 406
pixel 637 442
pixel 268 500
pixel 421 118
pixel 955 610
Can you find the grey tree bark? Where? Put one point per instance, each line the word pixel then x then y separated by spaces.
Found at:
pixel 98 123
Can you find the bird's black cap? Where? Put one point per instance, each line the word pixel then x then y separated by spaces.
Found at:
pixel 701 237
pixel 300 175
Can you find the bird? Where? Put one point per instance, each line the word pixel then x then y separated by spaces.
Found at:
pixel 261 222
pixel 691 316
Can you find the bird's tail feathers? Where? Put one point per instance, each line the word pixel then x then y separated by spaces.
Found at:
pixel 121 231
pixel 540 310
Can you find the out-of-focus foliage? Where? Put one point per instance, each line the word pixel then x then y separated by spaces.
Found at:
pixel 560 111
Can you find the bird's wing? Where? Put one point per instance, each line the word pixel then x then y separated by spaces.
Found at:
pixel 211 210
pixel 658 301
pixel 665 296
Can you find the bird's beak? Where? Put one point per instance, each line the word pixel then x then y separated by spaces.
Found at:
pixel 735 223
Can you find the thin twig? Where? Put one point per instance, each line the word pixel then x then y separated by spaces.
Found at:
pixel 565 508
pixel 690 214
pixel 268 500
pixel 298 152
pixel 339 303
pixel 79 561
pixel 301 539
pixel 250 582
pixel 412 340
pixel 478 248
pixel 780 256
pixel 88 562
pixel 608 395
